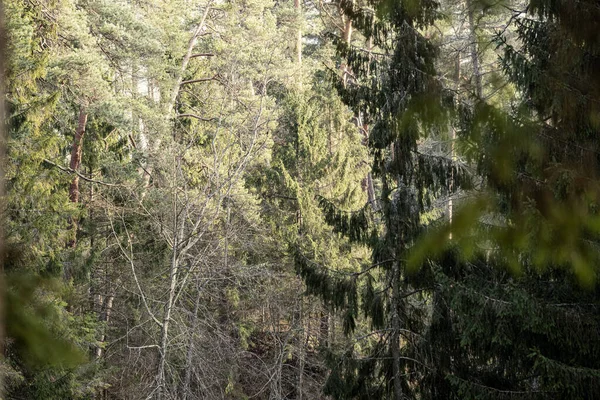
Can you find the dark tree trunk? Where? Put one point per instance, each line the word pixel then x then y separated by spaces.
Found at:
pixel 76 152
pixel 2 141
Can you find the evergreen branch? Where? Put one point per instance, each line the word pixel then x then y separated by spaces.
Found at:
pixel 505 391
pixel 373 266
pixel 280 196
pixel 79 174
pixel 202 55
pixel 488 298
pixel 405 295
pixel 399 358
pixel 358 49
pixel 562 366
pixel 368 335
pixel 439 157
pixel 44 10
pixel 325 201
pixel 573 305
pixel 348 274
pixel 196 117
pixel 214 78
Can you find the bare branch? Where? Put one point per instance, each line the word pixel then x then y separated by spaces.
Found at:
pixel 129 258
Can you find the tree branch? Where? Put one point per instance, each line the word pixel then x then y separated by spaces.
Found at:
pixel 214 78
pixel 196 117
pixel 202 55
pixel 85 178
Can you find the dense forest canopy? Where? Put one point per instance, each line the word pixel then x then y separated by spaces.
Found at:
pixel 333 199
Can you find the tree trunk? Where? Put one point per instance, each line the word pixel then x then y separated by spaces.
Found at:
pixel 298 7
pixel 76 152
pixel 395 339
pixel 190 351
pixel 302 351
pixel 3 41
pixel 364 128
pixel 474 49
pixel 174 269
pixel 371 192
pixel 298 46
pixel 347 38
pixel 324 329
pixel 164 334
pixel 452 148
pixel 173 274
pixel 186 60
pixel 370 187
pixel 105 318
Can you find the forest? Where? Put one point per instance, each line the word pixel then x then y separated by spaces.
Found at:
pixel 300 199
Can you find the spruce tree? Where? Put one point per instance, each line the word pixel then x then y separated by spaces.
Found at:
pixel 397 92
pixel 481 330
pixel 514 316
pixel 508 315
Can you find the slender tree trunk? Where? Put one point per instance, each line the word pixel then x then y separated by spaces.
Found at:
pixel 161 379
pixel 96 302
pixel 367 183
pixel 302 351
pixel 190 351
pixel 452 147
pixel 2 159
pixel 323 329
pixel 298 7
pixel 186 59
pixel 368 180
pixel 370 187
pixel 174 269
pixel 170 106
pixel 364 127
pixel 474 49
pixel 141 140
pixel 332 328
pixel 225 304
pixel 76 153
pixel 395 339
pixel 105 318
pixel 173 275
pixel 371 192
pixel 347 38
